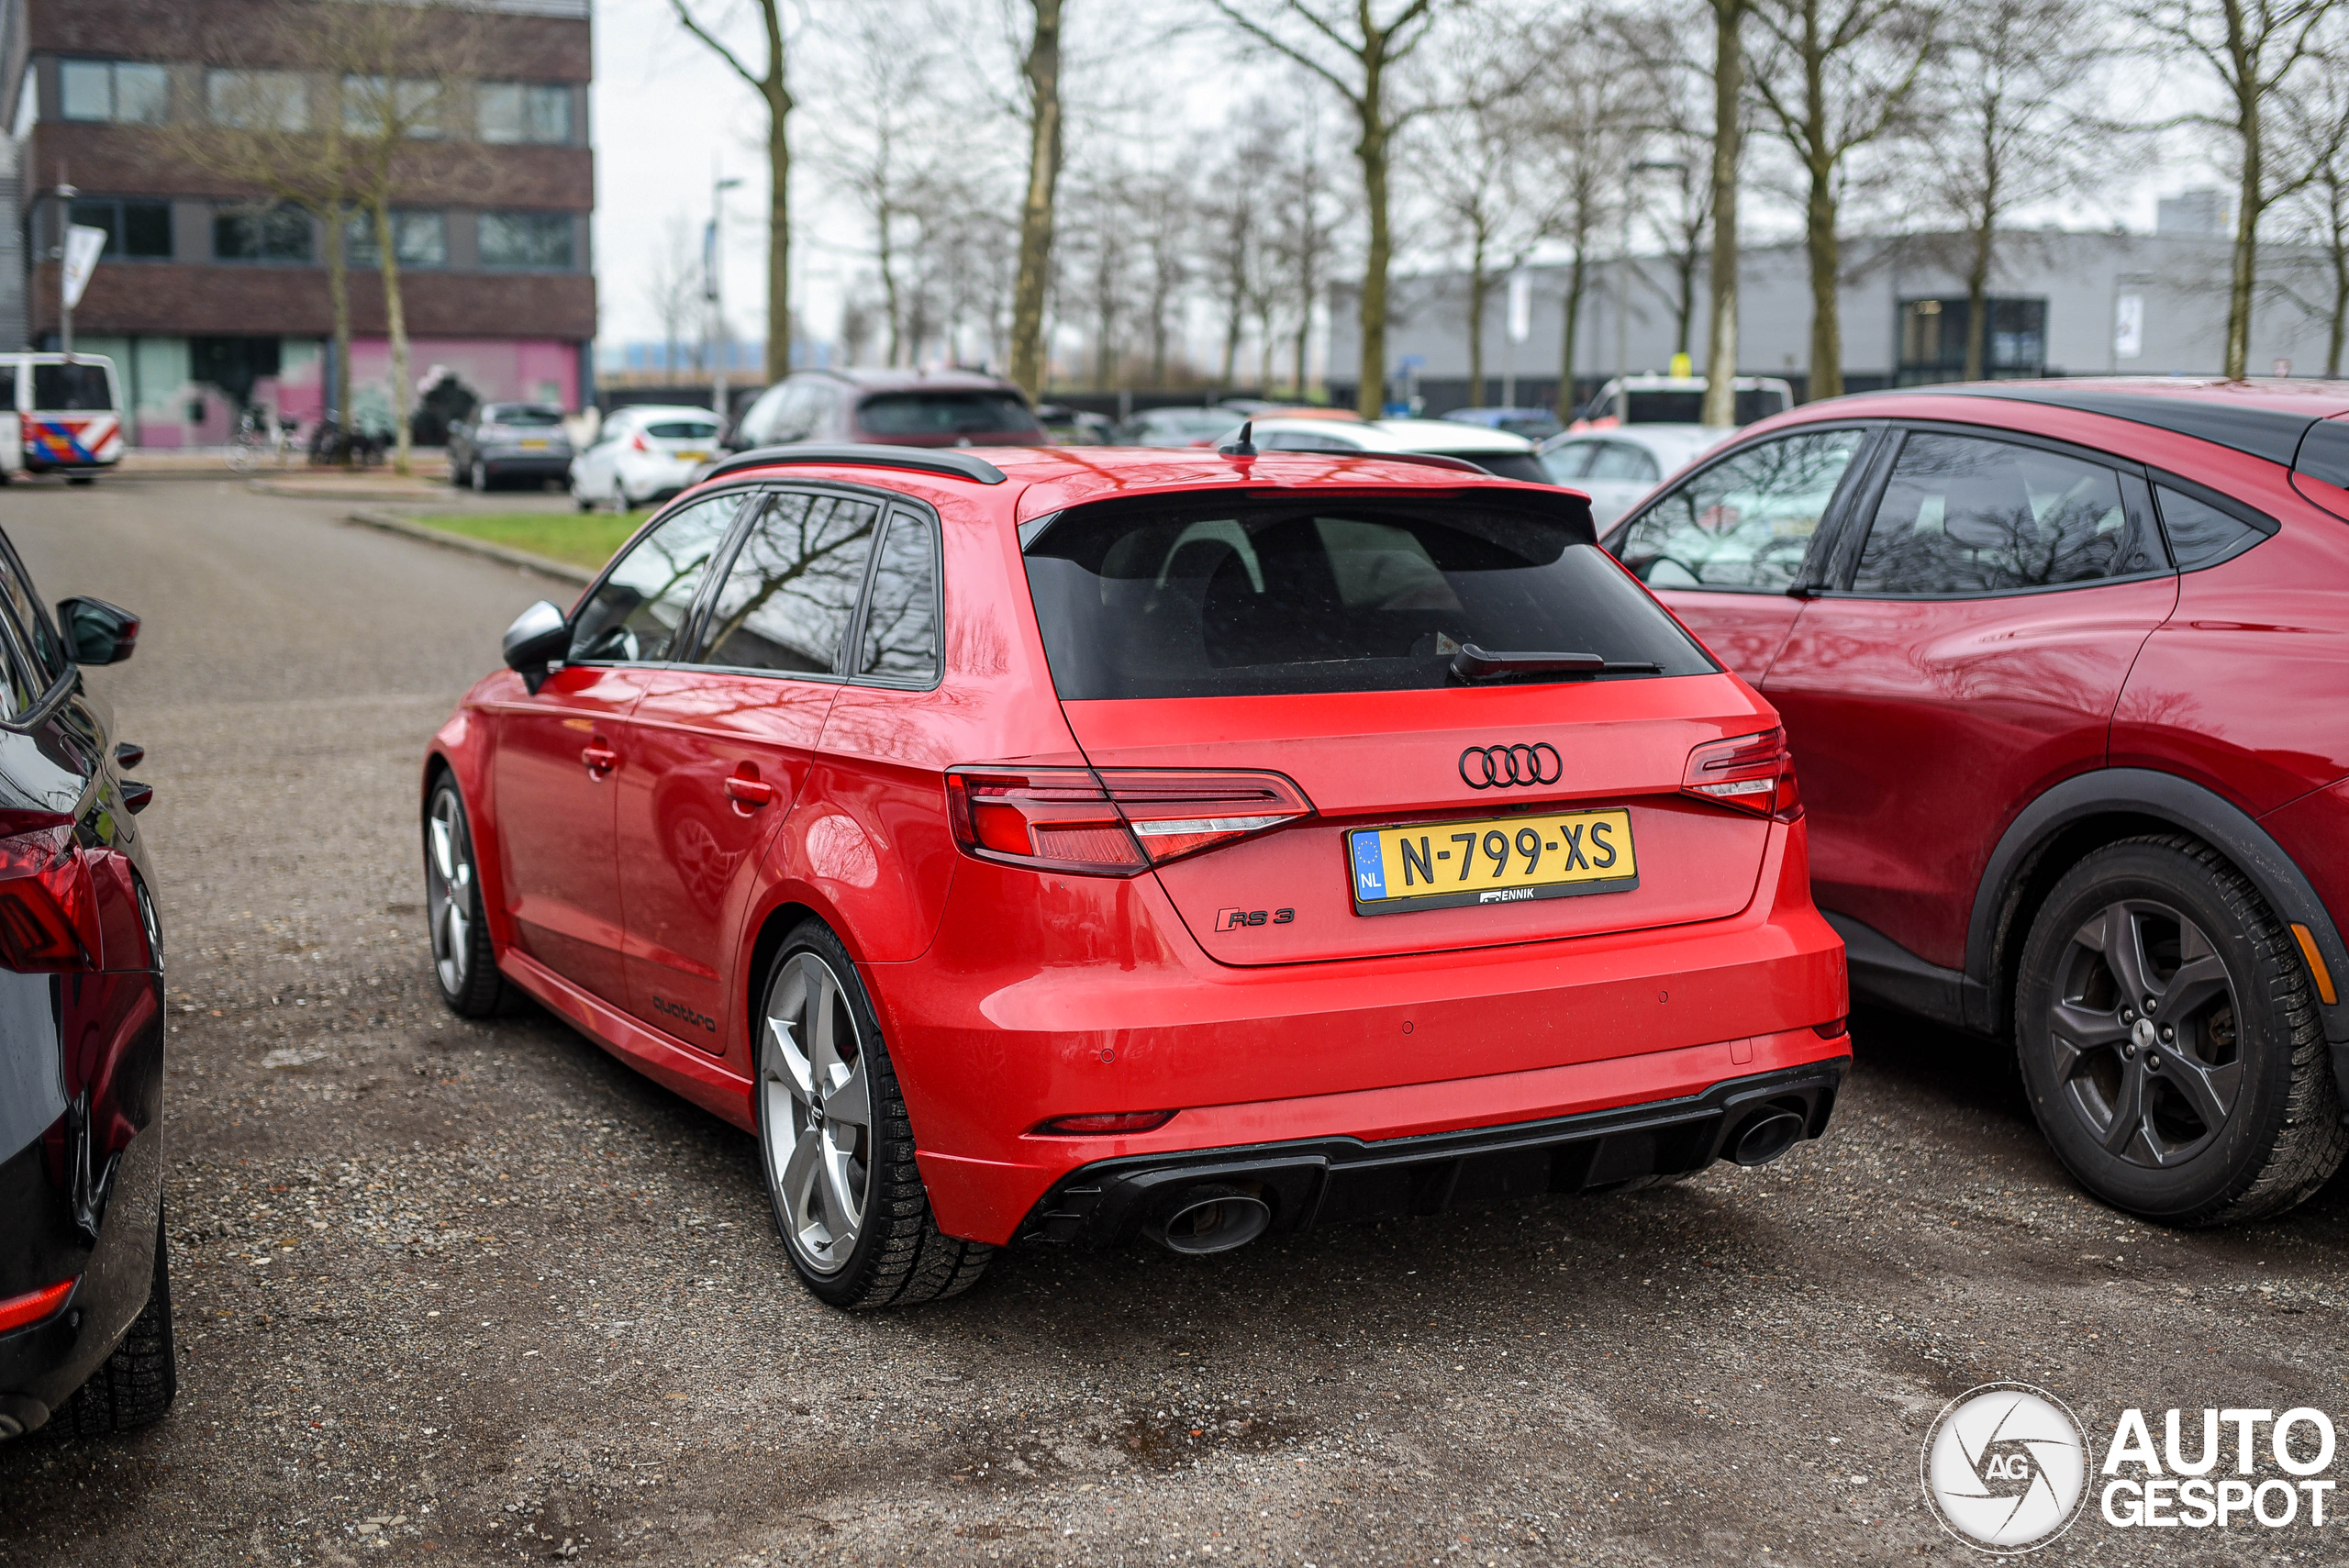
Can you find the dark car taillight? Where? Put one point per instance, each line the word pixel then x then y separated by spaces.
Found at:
pixel 1751 772
pixel 1112 821
pixel 17 1311
pixel 49 905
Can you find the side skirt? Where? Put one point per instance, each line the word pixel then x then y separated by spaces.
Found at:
pixel 677 1067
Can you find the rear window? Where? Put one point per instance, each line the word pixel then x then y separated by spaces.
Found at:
pixel 519 414
pixel 946 414
pixel 67 389
pixel 1209 599
pixel 682 430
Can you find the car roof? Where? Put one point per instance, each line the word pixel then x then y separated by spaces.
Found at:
pixel 874 379
pixel 1042 480
pixel 1404 435
pixel 2266 418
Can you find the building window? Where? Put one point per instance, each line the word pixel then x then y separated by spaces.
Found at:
pixel 261 234
pixel 407 105
pixel 258 100
pixel 538 239
pixel 136 230
pixel 523 111
pixel 419 240
pixel 1932 340
pixel 114 89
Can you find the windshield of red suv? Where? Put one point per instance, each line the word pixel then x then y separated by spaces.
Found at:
pixel 947 414
pixel 1203 597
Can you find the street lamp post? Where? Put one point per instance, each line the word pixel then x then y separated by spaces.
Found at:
pixel 64 194
pixel 714 249
pixel 1623 288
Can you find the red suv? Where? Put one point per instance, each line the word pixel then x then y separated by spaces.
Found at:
pixel 1078 844
pixel 2061 666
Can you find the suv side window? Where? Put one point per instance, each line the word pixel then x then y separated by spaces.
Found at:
pixel 1621 460
pixel 900 640
pixel 1745 523
pixel 789 595
pixel 1963 514
pixel 636 613
pixel 757 420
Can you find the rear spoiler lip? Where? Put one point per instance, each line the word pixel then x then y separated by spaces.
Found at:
pixel 1571 507
pixel 943 460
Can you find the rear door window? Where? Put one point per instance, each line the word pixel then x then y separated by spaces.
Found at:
pixel 1207 598
pixel 1966 515
pixel 1746 522
pixel 792 590
pixel 640 609
pixel 899 642
pixel 2204 532
pixel 72 389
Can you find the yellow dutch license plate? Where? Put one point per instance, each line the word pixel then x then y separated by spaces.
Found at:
pixel 1500 860
pixel 690 457
pixel 533 446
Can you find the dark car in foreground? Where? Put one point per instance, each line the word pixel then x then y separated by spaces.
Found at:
pixel 85 1306
pixel 504 443
pixel 2061 666
pixel 1084 845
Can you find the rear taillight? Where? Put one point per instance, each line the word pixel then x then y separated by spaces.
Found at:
pixel 17 1311
pixel 1112 821
pixel 1752 773
pixel 639 443
pixel 49 905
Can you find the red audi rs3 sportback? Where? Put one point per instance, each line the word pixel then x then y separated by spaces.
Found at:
pixel 2063 665
pixel 1081 844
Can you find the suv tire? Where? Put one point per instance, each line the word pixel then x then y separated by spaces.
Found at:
pixel 2215 1106
pixel 138 1381
pixel 815 1027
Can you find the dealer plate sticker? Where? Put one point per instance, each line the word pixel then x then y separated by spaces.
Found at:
pixel 1499 859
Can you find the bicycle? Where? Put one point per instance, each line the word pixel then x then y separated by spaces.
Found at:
pixel 262 437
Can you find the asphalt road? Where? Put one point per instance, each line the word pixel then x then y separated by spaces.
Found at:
pixel 452 1292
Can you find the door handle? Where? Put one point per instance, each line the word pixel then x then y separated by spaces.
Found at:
pixel 599 758
pixel 749 791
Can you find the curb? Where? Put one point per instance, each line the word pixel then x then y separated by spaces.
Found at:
pixel 560 570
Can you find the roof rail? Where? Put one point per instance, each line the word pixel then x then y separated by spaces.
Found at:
pixel 924 460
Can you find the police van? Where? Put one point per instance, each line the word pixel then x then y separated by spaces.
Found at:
pixel 59 413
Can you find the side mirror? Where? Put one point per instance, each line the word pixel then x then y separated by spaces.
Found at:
pixel 97 632
pixel 538 638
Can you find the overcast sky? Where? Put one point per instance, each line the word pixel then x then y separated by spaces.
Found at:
pixel 668 116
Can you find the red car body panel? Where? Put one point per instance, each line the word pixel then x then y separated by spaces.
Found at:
pixel 1010 995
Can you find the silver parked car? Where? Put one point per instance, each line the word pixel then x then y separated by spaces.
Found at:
pixel 508 442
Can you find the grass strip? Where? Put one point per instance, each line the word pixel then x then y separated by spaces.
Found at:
pixel 584 539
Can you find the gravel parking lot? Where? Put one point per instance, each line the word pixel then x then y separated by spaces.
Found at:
pixel 459 1292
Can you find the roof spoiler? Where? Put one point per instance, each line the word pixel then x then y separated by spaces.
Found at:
pixel 943 460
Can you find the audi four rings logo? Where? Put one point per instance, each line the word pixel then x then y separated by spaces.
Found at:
pixel 1499 767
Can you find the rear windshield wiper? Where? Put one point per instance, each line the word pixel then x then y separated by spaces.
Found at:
pixel 1473 664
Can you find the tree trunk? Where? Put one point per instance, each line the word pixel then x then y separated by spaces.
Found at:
pixel 1986 235
pixel 1042 69
pixel 339 296
pixel 1826 269
pixel 396 327
pixel 777 90
pixel 1568 347
pixel 1729 84
pixel 1370 396
pixel 886 252
pixel 2246 256
pixel 1480 285
pixel 2340 316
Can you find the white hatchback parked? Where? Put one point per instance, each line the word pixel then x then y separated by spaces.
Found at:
pixel 643 455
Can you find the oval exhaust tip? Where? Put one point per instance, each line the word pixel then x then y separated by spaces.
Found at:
pixel 1213 1219
pixel 1767 1137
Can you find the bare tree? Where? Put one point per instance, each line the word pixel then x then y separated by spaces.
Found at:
pixel 876 141
pixel 2259 51
pixel 1346 44
pixel 1305 220
pixel 1161 215
pixel 1728 80
pixel 1041 72
pixel 1836 76
pixel 2011 128
pixel 772 83
pixel 1489 200
pixel 1585 130
pixel 2315 127
pixel 673 290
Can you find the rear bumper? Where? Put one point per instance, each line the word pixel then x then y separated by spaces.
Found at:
pixel 1327 1181
pixel 550 465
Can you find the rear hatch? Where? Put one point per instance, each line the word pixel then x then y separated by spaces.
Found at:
pixel 1317 637
pixel 682 440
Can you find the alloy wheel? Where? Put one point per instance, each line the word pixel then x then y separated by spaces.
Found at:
pixel 2144 1030
pixel 449 891
pixel 817 1120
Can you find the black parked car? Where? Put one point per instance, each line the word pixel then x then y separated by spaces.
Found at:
pixel 507 441
pixel 86 1300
